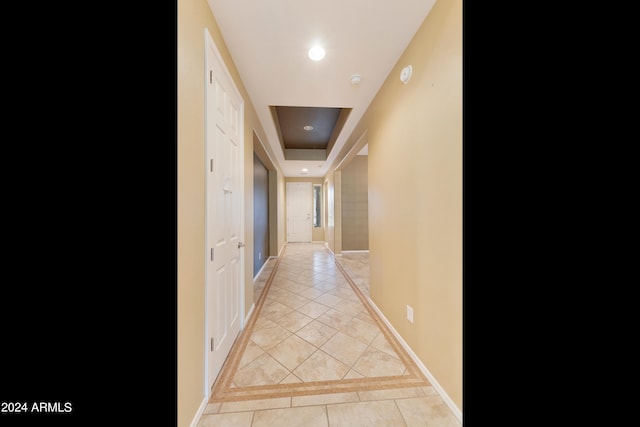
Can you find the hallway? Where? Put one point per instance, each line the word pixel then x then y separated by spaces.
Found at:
pixel 316 353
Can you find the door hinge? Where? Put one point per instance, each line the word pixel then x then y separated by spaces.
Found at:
pixel 211 343
pixel 211 165
pixel 210 76
pixel 211 254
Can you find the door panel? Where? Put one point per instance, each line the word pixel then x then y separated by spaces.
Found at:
pixel 299 210
pixel 223 212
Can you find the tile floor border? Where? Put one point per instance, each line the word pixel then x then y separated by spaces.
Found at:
pixel 223 391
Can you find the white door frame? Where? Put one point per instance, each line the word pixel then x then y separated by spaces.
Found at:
pixel 210 44
pixel 308 202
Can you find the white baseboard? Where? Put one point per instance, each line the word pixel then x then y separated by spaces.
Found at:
pixel 364 251
pixel 456 411
pixel 248 316
pixel 205 402
pixel 262 268
pixel 199 412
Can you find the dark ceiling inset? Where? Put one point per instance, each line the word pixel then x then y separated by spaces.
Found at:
pixel 293 120
pixel 311 144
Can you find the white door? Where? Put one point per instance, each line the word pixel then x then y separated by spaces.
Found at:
pixel 299 210
pixel 224 212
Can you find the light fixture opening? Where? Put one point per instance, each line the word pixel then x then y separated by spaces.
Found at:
pixel 308 128
pixel 316 53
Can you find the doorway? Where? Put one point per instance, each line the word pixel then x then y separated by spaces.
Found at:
pixel 260 214
pixel 299 211
pixel 224 212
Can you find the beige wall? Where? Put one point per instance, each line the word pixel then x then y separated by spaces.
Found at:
pixel 281 190
pixel 414 132
pixel 355 205
pixel 333 228
pixel 193 17
pixel 329 228
pixel 337 213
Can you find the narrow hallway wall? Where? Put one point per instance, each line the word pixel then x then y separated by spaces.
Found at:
pixel 414 134
pixel 193 17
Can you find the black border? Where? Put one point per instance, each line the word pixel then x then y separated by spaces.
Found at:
pixel 88 307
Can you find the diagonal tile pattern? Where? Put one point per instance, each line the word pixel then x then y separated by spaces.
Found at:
pixel 313 332
pixel 288 379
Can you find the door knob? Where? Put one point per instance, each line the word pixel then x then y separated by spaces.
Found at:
pixel 240 245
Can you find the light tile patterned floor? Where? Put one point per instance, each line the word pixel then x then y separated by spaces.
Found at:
pixel 316 353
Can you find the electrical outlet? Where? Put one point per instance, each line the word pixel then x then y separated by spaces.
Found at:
pixel 409 313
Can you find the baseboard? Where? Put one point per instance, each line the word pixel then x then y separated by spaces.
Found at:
pixel 248 316
pixel 205 402
pixel 365 251
pixel 199 412
pixel 261 268
pixel 447 400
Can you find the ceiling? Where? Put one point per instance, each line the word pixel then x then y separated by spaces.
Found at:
pixel 269 40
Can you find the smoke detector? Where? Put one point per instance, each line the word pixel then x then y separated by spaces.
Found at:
pixel 355 79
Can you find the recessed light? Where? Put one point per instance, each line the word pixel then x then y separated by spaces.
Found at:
pixel 305 170
pixel 308 127
pixel 316 53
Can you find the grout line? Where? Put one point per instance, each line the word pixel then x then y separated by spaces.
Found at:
pixel 223 393
pixel 401 414
pixel 400 351
pixel 326 413
pixel 226 375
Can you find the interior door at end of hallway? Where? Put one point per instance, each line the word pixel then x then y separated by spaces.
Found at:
pixel 299 210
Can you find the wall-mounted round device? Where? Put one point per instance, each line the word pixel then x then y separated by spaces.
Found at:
pixel 405 74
